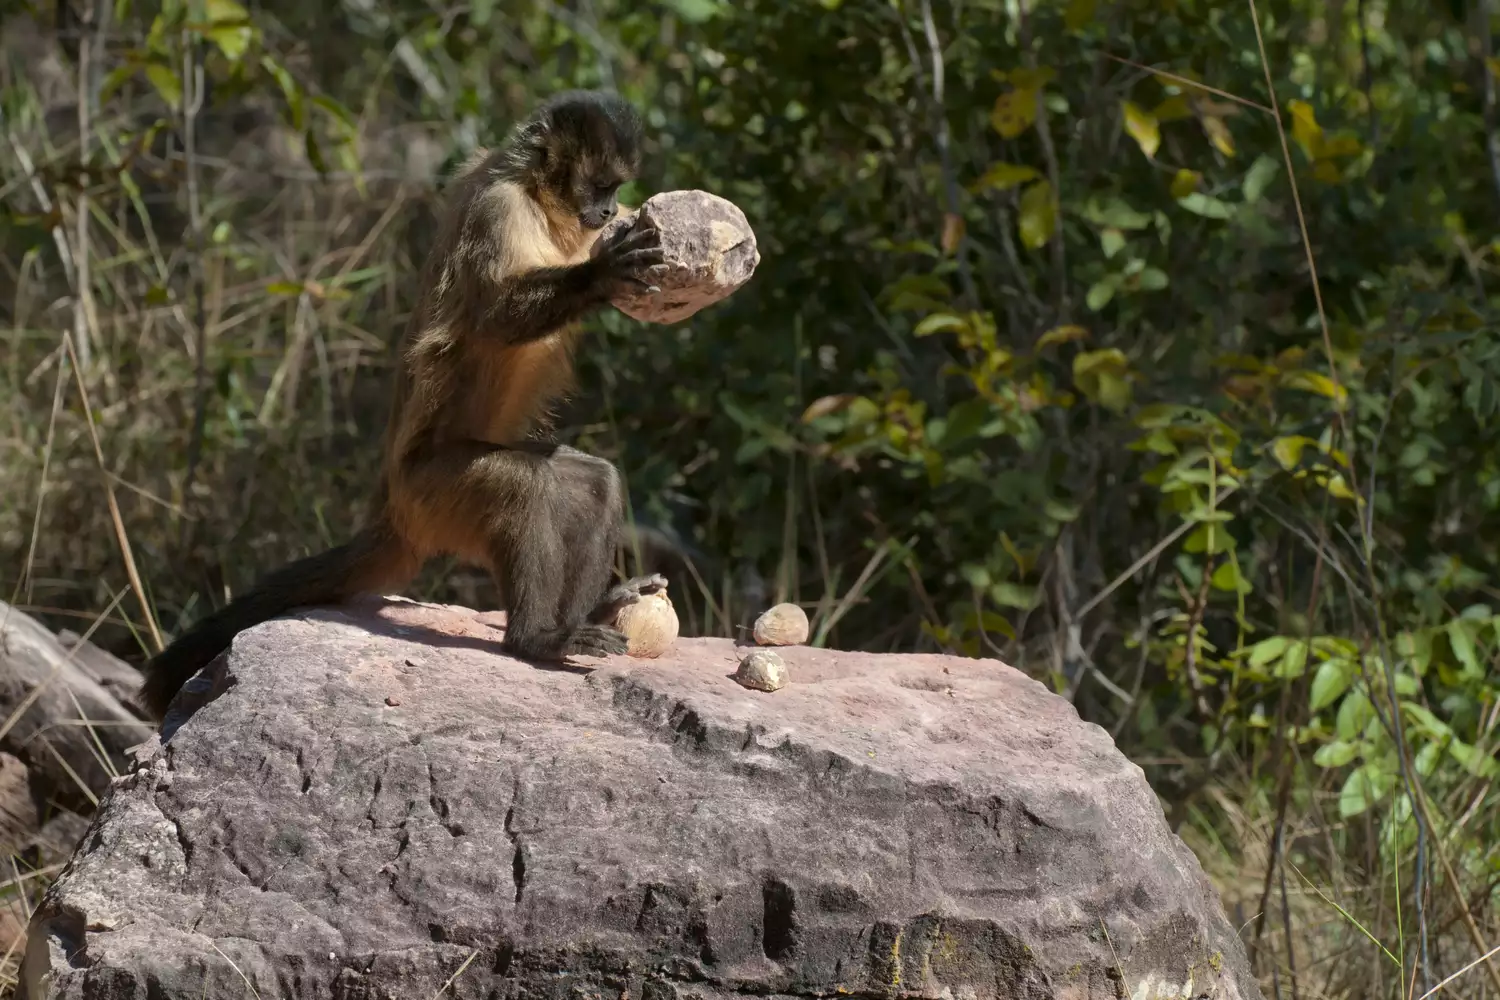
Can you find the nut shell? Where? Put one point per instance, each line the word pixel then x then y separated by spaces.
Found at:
pixel 762 670
pixel 782 625
pixel 649 624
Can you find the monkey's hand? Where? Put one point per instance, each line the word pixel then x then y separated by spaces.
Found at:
pixel 625 264
pixel 629 592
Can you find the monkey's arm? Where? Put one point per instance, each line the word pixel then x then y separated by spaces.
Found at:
pixel 532 304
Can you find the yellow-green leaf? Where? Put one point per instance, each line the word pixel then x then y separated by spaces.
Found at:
pixel 166 83
pixel 1305 128
pixel 1172 109
pixel 939 322
pixel 1258 177
pixel 1315 382
pixel 1038 215
pixel 1288 450
pixel 1101 376
pixel 233 42
pixel 1004 176
pixel 825 405
pixel 1329 683
pixel 1336 486
pixel 289 89
pixel 953 232
pixel 1111 241
pixel 1227 577
pixel 1335 754
pixel 1014 112
pixel 1062 335
pixel 1201 204
pixel 1185 183
pixel 1143 128
pixel 1218 134
pixel 1340 145
pixel 230 30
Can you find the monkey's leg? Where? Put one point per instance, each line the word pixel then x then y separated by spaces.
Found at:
pixel 511 508
pixel 592 525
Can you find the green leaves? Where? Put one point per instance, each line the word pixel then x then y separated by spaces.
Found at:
pixel 1142 126
pixel 1015 110
pixel 1329 683
pixel 1004 176
pixel 1038 215
pixel 1102 377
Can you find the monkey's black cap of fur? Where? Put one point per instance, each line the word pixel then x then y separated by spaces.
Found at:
pixel 580 112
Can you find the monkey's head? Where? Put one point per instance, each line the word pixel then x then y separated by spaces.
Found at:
pixel 575 151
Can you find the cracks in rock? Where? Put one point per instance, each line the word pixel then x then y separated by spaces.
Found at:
pixel 518 870
pixel 518 860
pixel 439 805
pixel 306 774
pixel 374 795
pixel 182 838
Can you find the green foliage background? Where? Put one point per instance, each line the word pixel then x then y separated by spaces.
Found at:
pixel 1034 366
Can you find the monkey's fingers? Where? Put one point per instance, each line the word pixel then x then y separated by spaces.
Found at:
pixel 643 237
pixel 642 585
pixel 640 260
pixel 629 592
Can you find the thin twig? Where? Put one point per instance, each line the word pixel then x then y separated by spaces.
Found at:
pixel 114 506
pixel 192 104
pixel 1236 98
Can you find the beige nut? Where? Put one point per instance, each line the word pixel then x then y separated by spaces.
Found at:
pixel 762 670
pixel 782 625
pixel 649 625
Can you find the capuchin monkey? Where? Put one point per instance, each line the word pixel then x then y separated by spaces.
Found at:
pixel 467 470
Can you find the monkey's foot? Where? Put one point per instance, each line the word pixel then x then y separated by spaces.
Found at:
pixel 595 640
pixel 551 645
pixel 629 592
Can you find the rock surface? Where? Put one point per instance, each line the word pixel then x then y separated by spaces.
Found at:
pixel 52 691
pixel 709 250
pixel 884 827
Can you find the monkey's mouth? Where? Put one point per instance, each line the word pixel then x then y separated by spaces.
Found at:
pixel 590 221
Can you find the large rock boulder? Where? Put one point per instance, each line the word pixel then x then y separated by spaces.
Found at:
pixel 373 802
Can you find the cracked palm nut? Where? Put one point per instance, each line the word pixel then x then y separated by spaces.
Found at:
pixel 708 251
pixel 762 670
pixel 782 625
pixel 649 625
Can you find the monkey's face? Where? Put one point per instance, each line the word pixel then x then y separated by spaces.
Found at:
pixel 596 198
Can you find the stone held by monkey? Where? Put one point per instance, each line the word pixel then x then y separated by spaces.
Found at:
pixel 466 467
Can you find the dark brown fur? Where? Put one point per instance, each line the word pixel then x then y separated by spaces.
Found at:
pixel 466 469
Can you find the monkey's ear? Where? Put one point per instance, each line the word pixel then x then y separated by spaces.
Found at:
pixel 533 138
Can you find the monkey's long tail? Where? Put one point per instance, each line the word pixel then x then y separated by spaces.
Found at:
pixel 375 558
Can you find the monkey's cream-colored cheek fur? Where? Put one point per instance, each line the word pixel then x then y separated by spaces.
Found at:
pixel 649 625
pixel 782 625
pixel 708 251
pixel 762 670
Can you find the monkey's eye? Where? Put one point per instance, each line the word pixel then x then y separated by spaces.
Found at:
pixel 605 190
